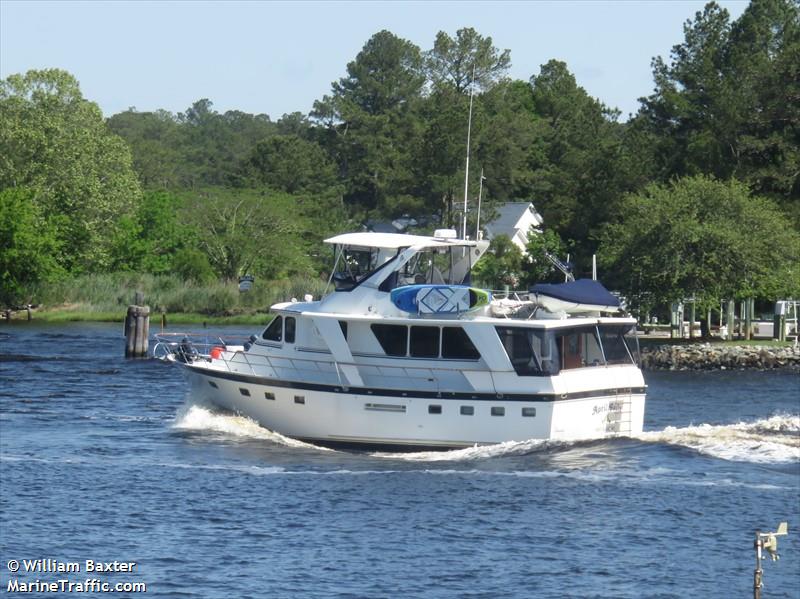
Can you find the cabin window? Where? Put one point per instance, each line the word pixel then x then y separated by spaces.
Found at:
pixel 456 345
pixel 434 409
pixel 529 412
pixel 393 338
pixel 274 332
pixel 213 384
pixel 289 329
pixel 299 399
pixel 245 392
pixel 424 342
pixel 532 351
pixel 343 326
pixel 498 411
pixel 467 410
pixel 268 395
pixel 579 347
pixel 615 344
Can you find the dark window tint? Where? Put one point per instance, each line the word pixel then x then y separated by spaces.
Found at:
pixel 457 345
pixel 531 351
pixel 343 326
pixel 268 395
pixel 245 392
pixel 274 331
pixel 529 412
pixel 290 328
pixel 425 342
pixel 299 399
pixel 434 409
pixel 498 411
pixel 393 338
pixel 467 410
pixel 213 384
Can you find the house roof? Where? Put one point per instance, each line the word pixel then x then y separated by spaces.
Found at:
pixel 508 217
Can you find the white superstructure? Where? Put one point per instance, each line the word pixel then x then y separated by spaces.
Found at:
pixel 355 369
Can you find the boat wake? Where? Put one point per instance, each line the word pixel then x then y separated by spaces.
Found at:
pixel 193 416
pixel 771 440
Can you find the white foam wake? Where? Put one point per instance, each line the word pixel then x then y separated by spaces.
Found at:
pixel 477 452
pixel 197 417
pixel 775 439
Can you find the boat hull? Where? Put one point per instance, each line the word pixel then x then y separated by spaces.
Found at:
pixel 366 418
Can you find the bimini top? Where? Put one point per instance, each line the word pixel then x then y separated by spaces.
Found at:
pixel 582 291
pixel 394 241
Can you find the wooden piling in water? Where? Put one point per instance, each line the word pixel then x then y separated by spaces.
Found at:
pixel 137 331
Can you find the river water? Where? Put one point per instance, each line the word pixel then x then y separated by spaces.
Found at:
pixel 106 459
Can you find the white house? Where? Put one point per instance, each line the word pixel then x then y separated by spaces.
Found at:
pixel 516 220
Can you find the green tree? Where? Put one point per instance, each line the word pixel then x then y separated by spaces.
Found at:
pixel 453 62
pixel 246 231
pixel 577 169
pixel 28 246
pixel 501 265
pixel 149 240
pixel 726 103
pixel 538 268
pixel 294 165
pixel 155 142
pixel 56 143
pixel 698 237
pixel 370 121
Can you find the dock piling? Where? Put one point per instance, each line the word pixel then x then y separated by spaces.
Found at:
pixel 137 329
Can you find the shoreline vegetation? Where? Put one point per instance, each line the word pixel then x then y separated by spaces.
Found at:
pixel 106 297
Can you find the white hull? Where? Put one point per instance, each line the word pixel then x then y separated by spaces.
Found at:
pixel 345 418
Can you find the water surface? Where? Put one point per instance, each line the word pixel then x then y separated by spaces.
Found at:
pixel 109 459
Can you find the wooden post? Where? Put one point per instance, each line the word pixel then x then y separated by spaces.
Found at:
pixel 731 318
pixel 691 320
pixel 748 319
pixel 137 331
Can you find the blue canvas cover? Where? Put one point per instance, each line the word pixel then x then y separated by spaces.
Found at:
pixel 582 291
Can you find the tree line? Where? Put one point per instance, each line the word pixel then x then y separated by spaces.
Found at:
pixel 696 194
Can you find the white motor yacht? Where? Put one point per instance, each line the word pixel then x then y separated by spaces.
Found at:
pixel 405 353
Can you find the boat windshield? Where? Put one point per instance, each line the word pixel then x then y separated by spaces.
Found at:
pixel 435 266
pixel 541 352
pixel 355 264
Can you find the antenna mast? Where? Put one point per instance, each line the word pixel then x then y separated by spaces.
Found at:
pixel 466 170
pixel 478 219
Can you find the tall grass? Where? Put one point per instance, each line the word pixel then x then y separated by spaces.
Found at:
pixel 112 293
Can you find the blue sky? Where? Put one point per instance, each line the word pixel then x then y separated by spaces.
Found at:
pixel 278 57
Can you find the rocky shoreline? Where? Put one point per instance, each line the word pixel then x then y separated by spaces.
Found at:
pixel 707 356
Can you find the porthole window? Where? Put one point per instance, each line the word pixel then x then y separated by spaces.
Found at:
pixel 498 411
pixel 467 410
pixel 268 395
pixel 245 392
pixel 213 384
pixel 434 409
pixel 529 412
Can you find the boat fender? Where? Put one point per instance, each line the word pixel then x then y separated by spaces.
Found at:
pixel 216 352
